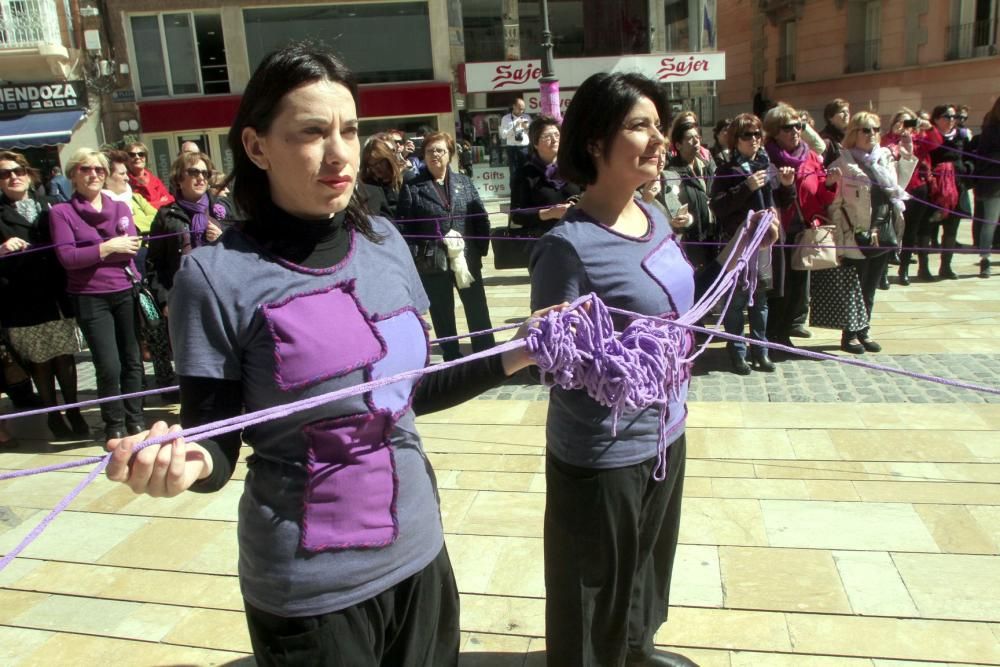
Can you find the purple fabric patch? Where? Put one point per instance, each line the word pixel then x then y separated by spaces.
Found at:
pixel 406 349
pixel 306 328
pixel 670 269
pixel 350 499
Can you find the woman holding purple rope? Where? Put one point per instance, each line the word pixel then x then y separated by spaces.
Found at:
pixel 612 511
pixel 34 307
pixel 342 557
pixel 96 243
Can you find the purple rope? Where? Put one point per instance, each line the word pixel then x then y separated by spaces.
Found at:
pixel 977 156
pixel 60 506
pixel 52 246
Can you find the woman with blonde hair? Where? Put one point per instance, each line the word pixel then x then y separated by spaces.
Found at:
pixel 871 199
pixel 96 242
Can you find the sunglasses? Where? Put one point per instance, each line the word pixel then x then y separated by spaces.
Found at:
pixel 756 134
pixel 870 130
pixel 89 169
pixel 792 127
pixel 17 171
pixel 947 116
pixel 195 173
pixel 399 142
pixel 137 153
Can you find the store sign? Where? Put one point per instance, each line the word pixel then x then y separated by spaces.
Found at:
pixel 491 182
pixel 20 98
pixel 533 101
pixel 571 72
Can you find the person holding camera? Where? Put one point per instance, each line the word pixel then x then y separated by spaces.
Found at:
pixel 514 135
pixel 917 215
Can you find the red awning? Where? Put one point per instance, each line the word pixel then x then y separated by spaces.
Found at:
pixel 384 99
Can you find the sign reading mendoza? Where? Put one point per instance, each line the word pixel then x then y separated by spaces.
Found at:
pixel 25 98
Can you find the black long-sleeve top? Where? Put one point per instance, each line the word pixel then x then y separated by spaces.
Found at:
pixel 314 245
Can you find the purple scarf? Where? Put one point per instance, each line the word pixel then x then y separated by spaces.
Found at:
pixel 198 210
pixel 782 158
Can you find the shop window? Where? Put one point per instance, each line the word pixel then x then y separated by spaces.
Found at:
pixel 179 54
pixel 379 42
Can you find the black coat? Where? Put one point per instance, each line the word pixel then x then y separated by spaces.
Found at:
pixel 32 285
pixel 460 209
pixel 164 257
pixel 531 189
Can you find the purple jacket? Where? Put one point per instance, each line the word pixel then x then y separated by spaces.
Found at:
pixel 78 230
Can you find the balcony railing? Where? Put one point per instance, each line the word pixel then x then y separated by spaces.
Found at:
pixel 28 23
pixel 972 40
pixel 862 56
pixel 786 69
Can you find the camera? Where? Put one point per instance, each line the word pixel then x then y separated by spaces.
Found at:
pixel 910 122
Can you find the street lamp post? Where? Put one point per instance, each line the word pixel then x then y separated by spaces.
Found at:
pixel 548 84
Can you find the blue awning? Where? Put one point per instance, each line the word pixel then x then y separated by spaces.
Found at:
pixel 39 129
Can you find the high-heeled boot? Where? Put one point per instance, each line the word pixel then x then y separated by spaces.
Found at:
pixel 904 268
pixel 923 270
pixel 944 271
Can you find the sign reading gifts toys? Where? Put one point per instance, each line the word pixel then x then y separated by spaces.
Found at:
pixel 491 182
pixel 524 74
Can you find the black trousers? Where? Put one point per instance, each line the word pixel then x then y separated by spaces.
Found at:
pixel 870 273
pixel 439 288
pixel 610 541
pixel 792 308
pixel 108 322
pixel 917 226
pixel 413 624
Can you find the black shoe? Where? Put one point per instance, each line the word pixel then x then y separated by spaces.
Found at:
pixel 57 425
pixel 984 268
pixel 904 275
pixel 869 344
pixel 851 345
pixel 660 658
pixel 946 273
pixel 763 362
pixel 883 283
pixel 114 433
pixel 800 331
pixel 135 429
pixel 923 273
pixel 77 422
pixel 740 365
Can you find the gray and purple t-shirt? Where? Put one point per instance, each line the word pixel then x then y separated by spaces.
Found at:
pixel 648 275
pixel 339 502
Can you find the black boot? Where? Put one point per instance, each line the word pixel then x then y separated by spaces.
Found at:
pixel 945 270
pixel 740 366
pixel 660 658
pixel 904 272
pixel 77 422
pixel 761 359
pixel 923 272
pixel 58 427
pixel 984 268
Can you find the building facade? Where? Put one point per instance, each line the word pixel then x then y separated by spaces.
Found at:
pixel 877 54
pixel 48 81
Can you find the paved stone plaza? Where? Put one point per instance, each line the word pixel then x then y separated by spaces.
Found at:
pixel 833 517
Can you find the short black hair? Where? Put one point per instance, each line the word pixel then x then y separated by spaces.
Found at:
pixel 941 110
pixel 594 117
pixel 278 74
pixel 538 126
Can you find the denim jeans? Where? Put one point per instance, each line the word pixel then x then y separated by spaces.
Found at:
pixel 733 320
pixel 987 208
pixel 108 322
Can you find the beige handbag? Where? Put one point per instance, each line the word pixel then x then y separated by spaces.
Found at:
pixel 816 249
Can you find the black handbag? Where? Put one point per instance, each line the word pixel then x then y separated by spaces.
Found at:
pixel 880 237
pixel 512 247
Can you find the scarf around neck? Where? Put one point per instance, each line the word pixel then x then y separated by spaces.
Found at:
pixel 878 165
pixel 125 197
pixel 782 158
pixel 198 210
pixel 551 171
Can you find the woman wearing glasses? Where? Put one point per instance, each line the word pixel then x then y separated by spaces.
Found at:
pixel 814 192
pixel 537 184
pixel 732 198
pixel 446 208
pixel 871 196
pixel 143 180
pixel 946 145
pixel 34 307
pixel 96 243
pixel 194 219
pixel 917 216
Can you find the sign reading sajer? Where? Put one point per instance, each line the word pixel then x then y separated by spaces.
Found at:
pixel 22 98
pixel 664 67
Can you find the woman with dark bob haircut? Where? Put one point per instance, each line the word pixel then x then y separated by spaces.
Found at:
pixel 342 557
pixel 613 506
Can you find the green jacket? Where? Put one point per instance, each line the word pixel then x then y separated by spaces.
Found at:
pixel 142 212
